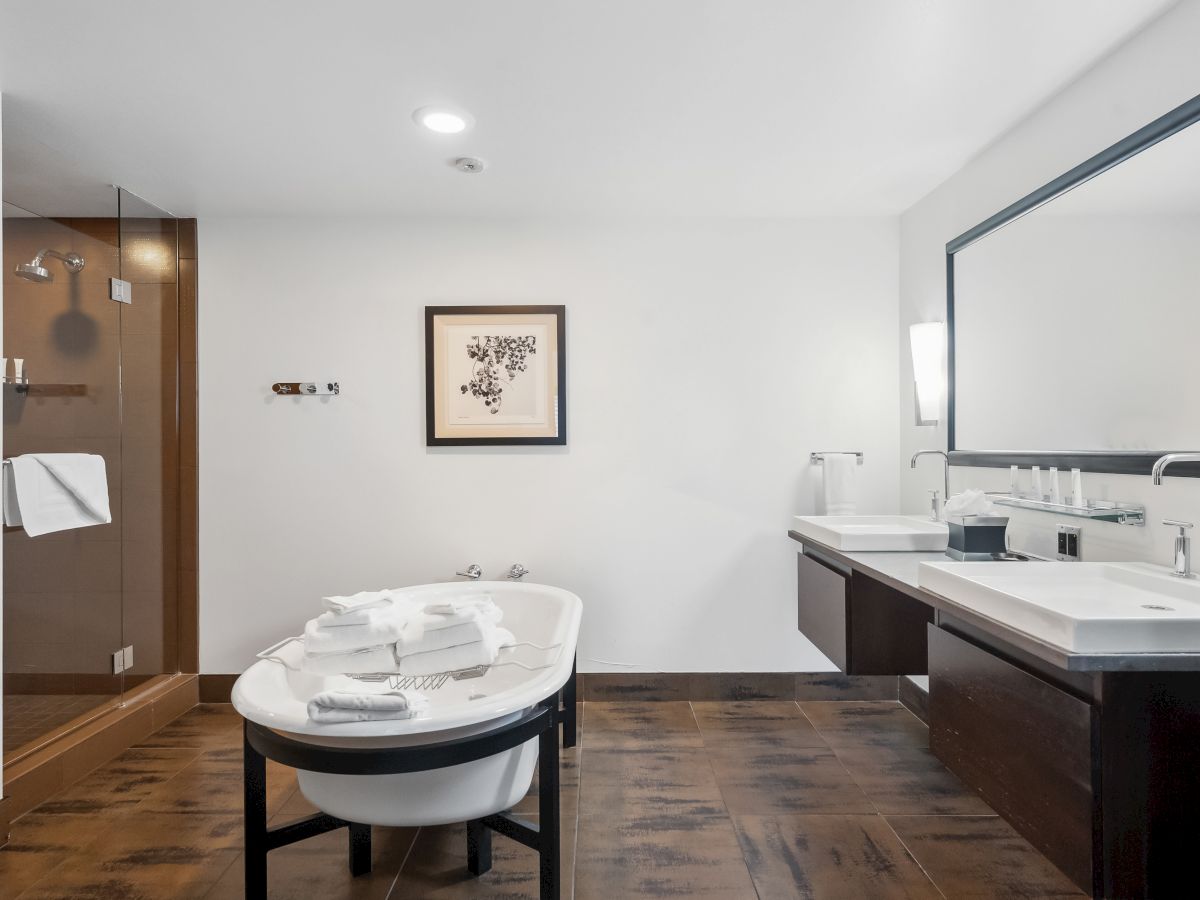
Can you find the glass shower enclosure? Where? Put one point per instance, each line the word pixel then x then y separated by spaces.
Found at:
pixel 91 614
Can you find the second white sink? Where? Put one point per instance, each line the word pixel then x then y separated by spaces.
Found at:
pixel 1079 607
pixel 873 532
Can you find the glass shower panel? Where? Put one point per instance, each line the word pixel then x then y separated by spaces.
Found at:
pixel 150 437
pixel 63 592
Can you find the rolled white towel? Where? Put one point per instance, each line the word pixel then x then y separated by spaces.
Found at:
pixel 463 656
pixel 333 707
pixel 384 628
pixel 340 606
pixel 359 662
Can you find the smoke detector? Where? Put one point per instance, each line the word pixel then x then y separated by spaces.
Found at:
pixel 470 164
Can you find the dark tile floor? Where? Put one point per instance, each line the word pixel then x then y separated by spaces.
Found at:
pixel 728 800
pixel 28 717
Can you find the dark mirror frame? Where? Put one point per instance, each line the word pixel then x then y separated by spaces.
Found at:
pixel 1119 462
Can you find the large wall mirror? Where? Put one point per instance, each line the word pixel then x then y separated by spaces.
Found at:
pixel 1074 314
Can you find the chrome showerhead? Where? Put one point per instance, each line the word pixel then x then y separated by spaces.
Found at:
pixel 34 273
pixel 37 273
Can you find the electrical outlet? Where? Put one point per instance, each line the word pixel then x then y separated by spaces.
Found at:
pixel 118 659
pixel 1068 542
pixel 127 656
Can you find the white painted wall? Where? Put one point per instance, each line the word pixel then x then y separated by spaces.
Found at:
pixel 706 359
pixel 1155 71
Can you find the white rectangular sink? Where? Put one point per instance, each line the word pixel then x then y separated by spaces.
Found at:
pixel 873 532
pixel 1079 607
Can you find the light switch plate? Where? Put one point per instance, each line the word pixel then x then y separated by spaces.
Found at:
pixel 121 291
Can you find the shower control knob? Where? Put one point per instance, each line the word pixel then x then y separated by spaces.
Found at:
pixel 473 572
pixel 517 572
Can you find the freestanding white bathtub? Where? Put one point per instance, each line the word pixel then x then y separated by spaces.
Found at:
pixel 545 621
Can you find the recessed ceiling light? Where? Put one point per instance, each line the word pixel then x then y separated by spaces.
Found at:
pixel 442 120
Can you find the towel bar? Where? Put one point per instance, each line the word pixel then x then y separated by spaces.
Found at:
pixel 819 456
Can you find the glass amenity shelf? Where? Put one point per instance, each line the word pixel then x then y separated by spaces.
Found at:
pixel 1096 510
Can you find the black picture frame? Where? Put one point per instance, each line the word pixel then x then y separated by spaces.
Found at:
pixel 432 439
pixel 1114 462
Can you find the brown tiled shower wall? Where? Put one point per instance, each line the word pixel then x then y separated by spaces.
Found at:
pixel 74 597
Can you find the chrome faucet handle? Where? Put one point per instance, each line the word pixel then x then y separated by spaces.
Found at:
pixel 935 511
pixel 517 572
pixel 473 572
pixel 1183 548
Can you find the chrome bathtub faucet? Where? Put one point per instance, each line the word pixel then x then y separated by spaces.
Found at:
pixel 517 572
pixel 473 572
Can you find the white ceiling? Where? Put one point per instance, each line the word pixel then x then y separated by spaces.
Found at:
pixel 643 107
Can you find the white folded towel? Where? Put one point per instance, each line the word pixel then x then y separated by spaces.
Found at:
pixel 416 638
pixel 48 492
pixel 385 629
pixel 840 489
pixel 363 600
pixel 449 613
pixel 333 707
pixel 393 608
pixel 464 656
pixel 359 662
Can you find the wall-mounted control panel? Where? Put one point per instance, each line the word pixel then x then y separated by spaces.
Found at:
pixel 1068 542
pixel 121 291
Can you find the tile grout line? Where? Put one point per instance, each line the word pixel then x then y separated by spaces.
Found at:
pixel 724 802
pixel 920 865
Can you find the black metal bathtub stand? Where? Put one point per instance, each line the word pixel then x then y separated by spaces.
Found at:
pixel 261 744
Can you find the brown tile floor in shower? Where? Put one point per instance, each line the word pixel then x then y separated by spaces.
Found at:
pixel 27 717
pixel 728 800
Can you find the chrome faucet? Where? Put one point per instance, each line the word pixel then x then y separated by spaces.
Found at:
pixel 1183 548
pixel 517 572
pixel 936 515
pixel 1162 462
pixel 473 572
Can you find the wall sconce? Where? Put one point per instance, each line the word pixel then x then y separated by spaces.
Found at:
pixel 928 340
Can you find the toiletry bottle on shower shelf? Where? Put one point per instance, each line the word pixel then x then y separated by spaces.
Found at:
pixel 1055 490
pixel 1038 493
pixel 1014 481
pixel 1077 489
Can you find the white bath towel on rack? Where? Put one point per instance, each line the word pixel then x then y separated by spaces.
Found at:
pixel 840 489
pixel 334 707
pixel 46 492
pixel 452 659
pixel 356 603
pixel 358 662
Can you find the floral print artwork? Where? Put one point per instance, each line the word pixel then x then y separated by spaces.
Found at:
pixel 496 362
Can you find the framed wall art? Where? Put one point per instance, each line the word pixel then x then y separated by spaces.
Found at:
pixel 495 375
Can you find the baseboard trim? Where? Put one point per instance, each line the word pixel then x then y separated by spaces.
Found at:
pixel 605 686
pixel 914 699
pixel 35 778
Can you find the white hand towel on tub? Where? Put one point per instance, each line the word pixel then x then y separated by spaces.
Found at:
pixel 416 638
pixel 363 600
pixel 464 656
pixel 384 627
pixel 359 662
pixel 334 707
pixel 840 489
pixel 56 491
pixel 448 613
pixel 394 608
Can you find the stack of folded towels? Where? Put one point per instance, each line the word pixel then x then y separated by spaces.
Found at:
pixel 390 632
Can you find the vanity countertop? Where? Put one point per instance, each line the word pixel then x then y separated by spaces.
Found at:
pixel 898 569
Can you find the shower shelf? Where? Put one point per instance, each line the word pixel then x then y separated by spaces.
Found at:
pixel 50 390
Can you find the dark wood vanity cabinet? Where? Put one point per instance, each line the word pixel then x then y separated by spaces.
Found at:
pixel 864 626
pixel 1098 770
pixel 1024 744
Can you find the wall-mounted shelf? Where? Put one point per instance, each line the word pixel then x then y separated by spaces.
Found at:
pixel 818 457
pixel 49 390
pixel 1096 510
